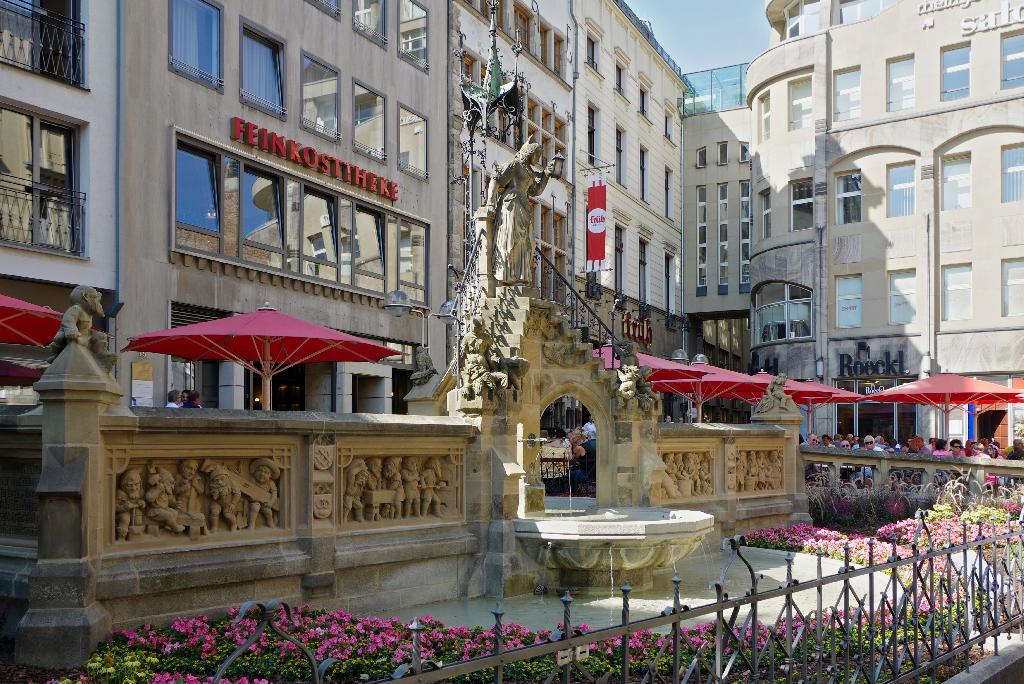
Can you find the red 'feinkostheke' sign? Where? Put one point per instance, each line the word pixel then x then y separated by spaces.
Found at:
pixel 257 136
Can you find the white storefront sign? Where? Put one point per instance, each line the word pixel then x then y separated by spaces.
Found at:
pixel 1008 14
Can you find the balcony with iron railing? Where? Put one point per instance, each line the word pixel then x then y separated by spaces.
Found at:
pixel 40 216
pixel 42 41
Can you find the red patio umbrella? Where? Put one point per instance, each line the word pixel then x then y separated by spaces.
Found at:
pixel 716 383
pixel 661 369
pixel 26 323
pixel 17 375
pixel 264 341
pixel 948 392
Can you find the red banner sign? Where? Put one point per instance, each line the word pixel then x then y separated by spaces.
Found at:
pixel 254 135
pixel 597 205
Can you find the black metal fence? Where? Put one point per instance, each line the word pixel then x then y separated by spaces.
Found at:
pixel 906 618
pixel 556 287
pixel 45 42
pixel 40 215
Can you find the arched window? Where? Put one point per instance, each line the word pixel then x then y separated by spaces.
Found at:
pixel 782 311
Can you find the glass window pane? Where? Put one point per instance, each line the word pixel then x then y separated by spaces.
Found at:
pixel 848 302
pixel 261 69
pixel 370 13
pixel 196 190
pixel 346 244
pixel 1013 61
pixel 901 190
pixel 800 105
pixel 412 27
pixel 369 250
pixel 902 86
pixel 319 97
pixel 771 293
pixel 956 73
pixel 55 149
pixel 15 144
pixel 848 196
pixel 261 209
pixel 797 292
pixel 412 142
pixel 902 305
pixel 1013 284
pixel 1013 174
pixel 847 95
pixel 195 39
pixel 956 183
pixel 956 303
pixel 799 319
pixel 369 119
pixel 318 229
pixel 803 205
pixel 412 260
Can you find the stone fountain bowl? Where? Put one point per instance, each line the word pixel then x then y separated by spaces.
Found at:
pixel 613 544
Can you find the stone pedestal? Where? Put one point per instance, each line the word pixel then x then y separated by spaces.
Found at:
pixel 64 622
pixel 793 463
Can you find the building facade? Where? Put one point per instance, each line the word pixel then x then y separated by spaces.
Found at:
pixel 887 140
pixel 58 172
pixel 289 153
pixel 627 99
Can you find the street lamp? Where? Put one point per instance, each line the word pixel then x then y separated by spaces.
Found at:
pixel 397 304
pixel 679 356
pixel 446 314
pixel 557 165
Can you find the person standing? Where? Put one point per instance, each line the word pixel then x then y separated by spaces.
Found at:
pixel 193 400
pixel 174 399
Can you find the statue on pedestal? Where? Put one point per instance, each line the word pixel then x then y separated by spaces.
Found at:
pixel 76 328
pixel 509 194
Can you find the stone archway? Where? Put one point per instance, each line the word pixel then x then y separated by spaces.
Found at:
pixel 597 411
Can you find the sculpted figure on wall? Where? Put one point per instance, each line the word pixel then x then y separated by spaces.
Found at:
pixel 76 328
pixel 633 385
pixel 175 497
pixel 382 489
pixel 424 366
pixel 758 470
pixel 775 397
pixel 478 373
pixel 690 473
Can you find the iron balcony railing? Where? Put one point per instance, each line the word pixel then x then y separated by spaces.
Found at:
pixel 44 42
pixel 40 215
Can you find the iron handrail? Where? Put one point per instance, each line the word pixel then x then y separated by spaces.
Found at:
pixel 573 304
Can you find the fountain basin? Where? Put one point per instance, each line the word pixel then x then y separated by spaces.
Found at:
pixel 609 546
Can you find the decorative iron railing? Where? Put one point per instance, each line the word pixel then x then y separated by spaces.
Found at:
pixel 40 215
pixel 44 42
pixel 266 105
pixel 905 619
pixel 469 294
pixel 369 31
pixel 556 287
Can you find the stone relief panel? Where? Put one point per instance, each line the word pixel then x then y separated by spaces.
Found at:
pixel 754 471
pixel 687 474
pixel 158 497
pixel 385 488
pixel 324 454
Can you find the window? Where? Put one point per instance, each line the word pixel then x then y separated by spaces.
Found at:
pixel 643 173
pixel 766 214
pixel 848 196
pixel 781 312
pixel 643 100
pixel 319 98
pixel 412 32
pixel 39 204
pixel 803 17
pixel 956 73
pixel 847 95
pixel 902 297
pixel 620 248
pixel 261 73
pixel 642 283
pixel 412 142
pixel 956 183
pixel 670 283
pixel 803 204
pixel 592 135
pixel 858 10
pixel 668 126
pixel 368 18
pixel 702 236
pixel 744 152
pixel 723 153
pixel 956 293
pixel 319 228
pixel 702 157
pixel 196 197
pixel 620 82
pixel 1013 174
pixel 1013 61
pixel 262 222
pixel 1013 288
pixel 368 250
pixel 668 193
pixel 800 109
pixel 522 26
pixel 723 233
pixel 848 301
pixel 368 122
pixel 765 102
pixel 746 218
pixel 620 156
pixel 195 40
pixel 902 84
pixel 900 190
pixel 592 52
pixel 412 260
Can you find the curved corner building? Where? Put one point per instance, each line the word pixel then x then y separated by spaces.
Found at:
pixel 887 177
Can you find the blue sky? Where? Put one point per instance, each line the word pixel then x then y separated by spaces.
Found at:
pixel 701 34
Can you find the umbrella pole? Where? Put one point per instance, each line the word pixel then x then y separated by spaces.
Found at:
pixel 266 391
pixel 266 374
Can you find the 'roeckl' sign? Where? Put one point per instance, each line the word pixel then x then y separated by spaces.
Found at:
pixel 254 135
pixel 888 365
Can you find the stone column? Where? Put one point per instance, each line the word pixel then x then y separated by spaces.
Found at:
pixel 793 461
pixel 64 621
pixel 230 386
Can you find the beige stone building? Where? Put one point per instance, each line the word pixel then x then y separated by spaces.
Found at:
pixel 292 153
pixel 629 133
pixel 887 182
